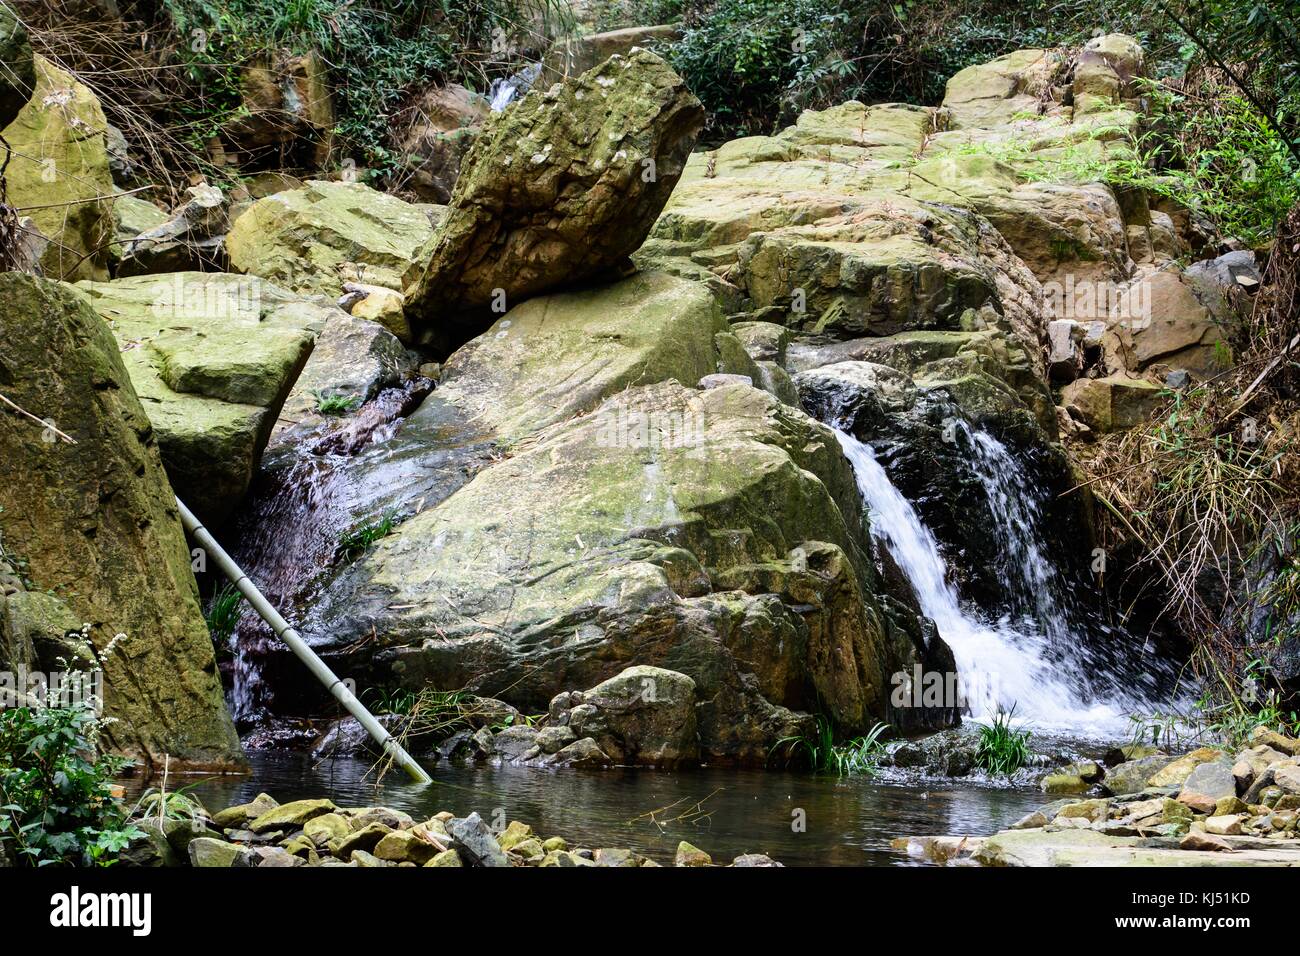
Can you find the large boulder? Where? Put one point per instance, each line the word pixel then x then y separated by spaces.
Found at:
pixel 703 532
pixel 316 238
pixel 559 187
pixel 212 357
pixel 97 523
pixel 58 173
pixel 644 715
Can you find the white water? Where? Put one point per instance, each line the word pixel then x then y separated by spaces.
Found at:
pixel 1000 663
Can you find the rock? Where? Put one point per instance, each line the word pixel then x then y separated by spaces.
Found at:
pixel 573 57
pixel 1227 806
pixel 1111 404
pixel 150 848
pixel 1288 779
pixel 617 857
pixel 561 187
pixel 131 217
pixel 190 239
pixel 643 715
pixel 530 851
pixel 445 122
pixel 1131 776
pixel 582 753
pixel 1251 763
pixel 761 441
pixel 368 861
pixel 1207 784
pixel 1031 821
pixel 1264 737
pixel 17 70
pixel 514 834
pixel 564 858
pixel 517 743
pixel 1224 825
pixel 99 526
pixel 1064 783
pixel 1064 359
pixel 384 306
pixel 446 858
pixel 405 846
pixel 475 843
pixel 554 843
pixel 291 815
pixel 58 170
pixel 689 855
pixel 364 839
pixel 314 239
pixel 347 738
pixel 394 819
pixel 286 113
pixel 240 816
pixel 755 859
pixel 209 852
pixel 325 829
pixel 213 358
pixel 1093 811
pixel 1204 842
pixel 1177 772
pixel 554 739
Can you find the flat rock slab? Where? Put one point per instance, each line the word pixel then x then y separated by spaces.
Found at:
pixel 1089 848
pixel 212 357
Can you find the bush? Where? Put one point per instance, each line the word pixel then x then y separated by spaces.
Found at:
pixel 56 802
pixel 1002 750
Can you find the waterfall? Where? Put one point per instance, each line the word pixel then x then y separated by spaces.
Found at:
pixel 1035 663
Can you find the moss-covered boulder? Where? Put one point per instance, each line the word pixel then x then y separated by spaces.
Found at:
pixel 97 523
pixel 563 185
pixel 703 532
pixel 555 356
pixel 58 173
pixel 212 357
pixel 313 239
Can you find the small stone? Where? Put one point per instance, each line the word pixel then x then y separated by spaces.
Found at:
pixel 1263 736
pixel 1204 842
pixel 755 859
pixel 530 850
pixel 1287 779
pixel 690 855
pixel 1091 810
pixel 1177 772
pixel 1064 783
pixel 514 834
pixel 1224 826
pixel 393 819
pixel 368 860
pixel 446 858
pixel 210 852
pixel 475 841
pixel 239 817
pixel 291 815
pixel 617 857
pixel 1031 821
pixel 405 846
pixel 367 838
pixel 565 858
pixel 554 739
pixel 1229 805
pixel 554 843
pixel 324 829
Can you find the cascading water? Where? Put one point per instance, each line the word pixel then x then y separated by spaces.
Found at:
pixel 1033 663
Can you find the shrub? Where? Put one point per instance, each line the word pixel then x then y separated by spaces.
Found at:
pixel 56 802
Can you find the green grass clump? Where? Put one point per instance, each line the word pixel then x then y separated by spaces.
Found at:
pixel 360 538
pixel 1002 750
pixel 820 752
pixel 336 404
pixel 223 613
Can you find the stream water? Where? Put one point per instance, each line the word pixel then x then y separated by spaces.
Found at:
pixel 849 821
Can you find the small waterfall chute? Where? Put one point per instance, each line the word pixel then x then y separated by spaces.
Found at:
pixel 1001 664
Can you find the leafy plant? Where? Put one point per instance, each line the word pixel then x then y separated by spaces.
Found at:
pixel 1002 750
pixel 57 805
pixel 821 753
pixel 336 404
pixel 358 539
pixel 223 613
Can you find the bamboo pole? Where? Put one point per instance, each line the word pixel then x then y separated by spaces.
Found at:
pixel 284 632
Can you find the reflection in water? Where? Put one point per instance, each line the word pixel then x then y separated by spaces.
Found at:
pixel 726 812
